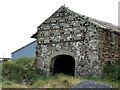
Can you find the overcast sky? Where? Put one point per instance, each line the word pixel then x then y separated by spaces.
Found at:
pixel 19 18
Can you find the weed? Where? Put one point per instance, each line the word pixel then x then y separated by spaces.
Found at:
pixel 66 82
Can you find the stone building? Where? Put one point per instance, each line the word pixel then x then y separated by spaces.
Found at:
pixel 71 43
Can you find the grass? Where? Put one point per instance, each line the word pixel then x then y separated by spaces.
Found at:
pixel 14 71
pixel 61 81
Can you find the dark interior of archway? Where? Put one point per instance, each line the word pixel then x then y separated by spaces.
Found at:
pixel 64 64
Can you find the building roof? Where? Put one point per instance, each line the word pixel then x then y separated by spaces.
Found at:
pixel 106 25
pixel 24 46
pixel 99 23
pixel 102 24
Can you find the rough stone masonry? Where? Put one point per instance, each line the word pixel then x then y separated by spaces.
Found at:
pixel 73 44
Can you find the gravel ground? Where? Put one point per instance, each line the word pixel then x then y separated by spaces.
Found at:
pixel 91 84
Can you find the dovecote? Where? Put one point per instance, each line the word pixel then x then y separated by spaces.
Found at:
pixel 84 42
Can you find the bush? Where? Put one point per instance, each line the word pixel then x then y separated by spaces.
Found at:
pixel 111 72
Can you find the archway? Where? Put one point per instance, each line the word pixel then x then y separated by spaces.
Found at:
pixel 64 64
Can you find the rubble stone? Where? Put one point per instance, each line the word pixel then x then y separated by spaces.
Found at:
pixel 91 84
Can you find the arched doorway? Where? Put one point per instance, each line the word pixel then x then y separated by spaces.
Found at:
pixel 64 64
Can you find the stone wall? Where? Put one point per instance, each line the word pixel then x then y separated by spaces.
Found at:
pixel 83 47
pixel 110 47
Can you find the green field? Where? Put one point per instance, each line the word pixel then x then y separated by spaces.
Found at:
pixel 13 73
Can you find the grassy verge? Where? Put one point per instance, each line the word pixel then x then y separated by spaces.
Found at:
pixel 13 72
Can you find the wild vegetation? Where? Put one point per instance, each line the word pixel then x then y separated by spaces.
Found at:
pixel 14 72
pixel 112 72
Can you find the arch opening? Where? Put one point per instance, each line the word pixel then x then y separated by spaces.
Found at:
pixel 64 64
